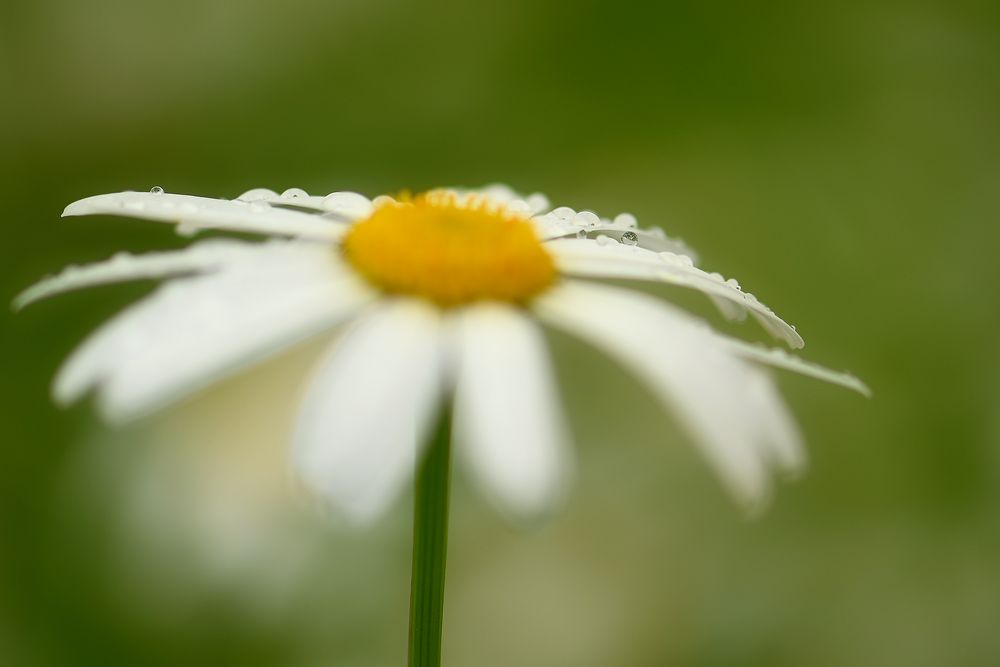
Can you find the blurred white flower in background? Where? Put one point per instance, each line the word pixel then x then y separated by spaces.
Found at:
pixel 439 296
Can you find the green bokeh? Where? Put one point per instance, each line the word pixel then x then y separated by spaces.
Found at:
pixel 842 159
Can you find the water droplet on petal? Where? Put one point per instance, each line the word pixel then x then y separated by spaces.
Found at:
pixel 564 213
pixel 156 190
pixel 294 193
pixel 604 239
pixel 581 233
pixel 630 238
pixel 257 194
pixel 626 220
pixel 348 204
pixel 538 202
pixel 732 282
pixel 587 218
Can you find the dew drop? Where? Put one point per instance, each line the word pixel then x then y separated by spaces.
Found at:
pixel 587 218
pixel 626 220
pixel 732 282
pixel 257 194
pixel 537 202
pixel 630 238
pixel 294 193
pixel 349 204
pixel 581 233
pixel 564 213
pixel 156 190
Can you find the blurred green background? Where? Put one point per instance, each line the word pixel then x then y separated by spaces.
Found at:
pixel 841 159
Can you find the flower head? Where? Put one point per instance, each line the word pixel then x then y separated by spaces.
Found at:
pixel 440 296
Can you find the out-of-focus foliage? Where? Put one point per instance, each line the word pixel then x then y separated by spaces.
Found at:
pixel 842 159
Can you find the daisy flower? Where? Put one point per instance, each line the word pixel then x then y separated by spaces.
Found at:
pixel 438 295
pixel 438 300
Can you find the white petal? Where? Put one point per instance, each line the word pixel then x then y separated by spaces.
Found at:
pixel 201 257
pixel 192 331
pixel 781 359
pixel 196 213
pixel 684 365
pixel 607 259
pixel 508 420
pixel 779 435
pixel 369 408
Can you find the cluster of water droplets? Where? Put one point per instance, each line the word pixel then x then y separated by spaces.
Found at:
pixel 340 204
pixel 687 268
pixel 623 228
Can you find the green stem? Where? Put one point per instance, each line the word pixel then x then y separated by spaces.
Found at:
pixel 430 549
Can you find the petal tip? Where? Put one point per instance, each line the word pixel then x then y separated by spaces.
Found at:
pixel 21 301
pixel 857 385
pixel 79 207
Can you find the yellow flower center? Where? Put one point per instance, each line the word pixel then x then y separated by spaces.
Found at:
pixel 450 249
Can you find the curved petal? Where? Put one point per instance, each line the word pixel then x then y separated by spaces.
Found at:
pixel 714 392
pixel 607 259
pixel 192 214
pixel 779 358
pixel 369 407
pixel 202 257
pixel 193 331
pixel 780 438
pixel 508 419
